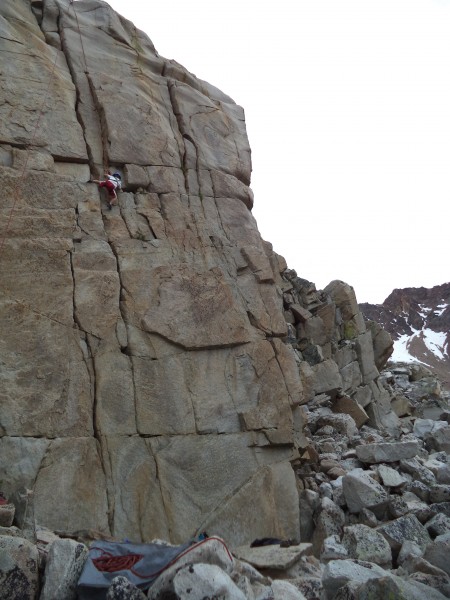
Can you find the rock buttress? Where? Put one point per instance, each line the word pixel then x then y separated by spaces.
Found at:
pixel 147 387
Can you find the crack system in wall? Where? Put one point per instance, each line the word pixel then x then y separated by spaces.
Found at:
pixel 191 153
pixel 175 112
pixel 99 117
pixel 73 74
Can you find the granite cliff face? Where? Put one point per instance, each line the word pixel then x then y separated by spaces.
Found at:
pixel 156 359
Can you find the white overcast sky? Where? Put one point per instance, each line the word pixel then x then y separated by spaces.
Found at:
pixel 347 106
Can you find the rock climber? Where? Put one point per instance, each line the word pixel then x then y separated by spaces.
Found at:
pixel 111 183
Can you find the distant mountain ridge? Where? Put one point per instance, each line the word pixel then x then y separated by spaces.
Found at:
pixel 418 319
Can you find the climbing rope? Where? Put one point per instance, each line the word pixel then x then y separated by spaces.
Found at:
pixel 86 71
pixel 108 563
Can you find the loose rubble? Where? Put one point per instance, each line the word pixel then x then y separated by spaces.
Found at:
pixel 392 535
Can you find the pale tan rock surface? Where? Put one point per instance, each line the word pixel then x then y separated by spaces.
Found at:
pixel 154 357
pixel 272 556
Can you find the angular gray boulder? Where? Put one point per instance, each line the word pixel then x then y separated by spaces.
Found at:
pixel 387 452
pixel 362 491
pixel 63 568
pixel 394 587
pixel 364 543
pixel 199 581
pixel 338 573
pixel 122 589
pixel 19 569
pixel 405 528
pixel 437 552
pixel 329 520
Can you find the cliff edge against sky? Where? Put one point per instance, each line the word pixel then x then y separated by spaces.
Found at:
pixel 155 358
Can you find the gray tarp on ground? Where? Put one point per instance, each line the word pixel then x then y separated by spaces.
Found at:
pixel 93 584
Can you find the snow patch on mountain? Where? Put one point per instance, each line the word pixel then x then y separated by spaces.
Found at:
pixel 435 341
pixel 424 311
pixel 401 349
pixel 440 309
pixel 401 352
pixel 418 320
